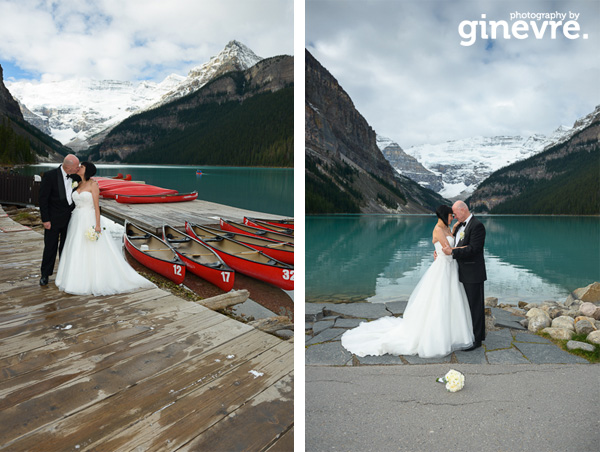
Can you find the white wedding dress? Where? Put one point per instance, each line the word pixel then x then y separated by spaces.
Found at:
pixel 89 267
pixel 436 321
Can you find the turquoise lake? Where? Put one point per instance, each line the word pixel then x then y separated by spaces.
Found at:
pixel 268 190
pixel 380 258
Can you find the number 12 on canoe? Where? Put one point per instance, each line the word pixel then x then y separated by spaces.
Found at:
pixel 177 269
pixel 288 275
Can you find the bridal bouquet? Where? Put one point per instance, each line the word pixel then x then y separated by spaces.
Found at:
pixel 91 234
pixel 453 380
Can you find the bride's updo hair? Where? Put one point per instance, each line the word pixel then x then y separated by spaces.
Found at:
pixel 90 170
pixel 442 212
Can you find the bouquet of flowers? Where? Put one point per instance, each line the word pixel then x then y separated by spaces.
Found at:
pixel 453 380
pixel 91 234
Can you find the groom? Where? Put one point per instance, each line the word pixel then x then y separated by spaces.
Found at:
pixel 470 235
pixel 56 205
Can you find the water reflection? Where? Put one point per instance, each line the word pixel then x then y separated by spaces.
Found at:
pixel 381 258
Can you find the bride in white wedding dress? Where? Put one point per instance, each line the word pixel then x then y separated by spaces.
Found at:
pixel 88 266
pixel 437 319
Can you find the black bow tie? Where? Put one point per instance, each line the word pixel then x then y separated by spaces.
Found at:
pixel 68 176
pixel 461 224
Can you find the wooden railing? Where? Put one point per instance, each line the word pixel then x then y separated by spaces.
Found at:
pixel 19 189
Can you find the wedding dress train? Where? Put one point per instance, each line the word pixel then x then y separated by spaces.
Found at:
pixel 436 321
pixel 93 267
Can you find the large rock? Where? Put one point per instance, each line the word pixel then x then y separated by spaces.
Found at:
pixel 584 325
pixel 594 337
pixel 538 322
pixel 590 310
pixel 589 293
pixel 564 322
pixel 492 302
pixel 559 333
pixel 537 312
pixel 576 345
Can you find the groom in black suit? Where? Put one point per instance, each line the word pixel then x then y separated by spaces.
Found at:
pixel 56 206
pixel 470 235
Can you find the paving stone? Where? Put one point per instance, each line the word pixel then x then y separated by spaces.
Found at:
pixel 476 356
pixel 510 356
pixel 328 354
pixel 505 319
pixel 528 337
pixel 313 312
pixel 347 323
pixel 322 325
pixel 380 360
pixel 547 354
pixel 396 307
pixel 495 340
pixel 357 310
pixel 414 359
pixel 327 335
pixel 308 326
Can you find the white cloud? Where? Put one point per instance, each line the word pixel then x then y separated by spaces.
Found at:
pixel 136 39
pixel 402 64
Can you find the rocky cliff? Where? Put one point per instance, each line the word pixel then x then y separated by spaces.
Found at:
pixel 345 170
pixel 562 179
pixel 20 142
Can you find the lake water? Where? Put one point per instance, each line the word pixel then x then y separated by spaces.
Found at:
pixel 380 258
pixel 268 190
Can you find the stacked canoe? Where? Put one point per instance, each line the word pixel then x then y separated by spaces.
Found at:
pixel 216 254
pixel 124 190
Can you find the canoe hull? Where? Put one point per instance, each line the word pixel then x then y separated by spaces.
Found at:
pixel 172 269
pixel 278 274
pixel 257 232
pixel 151 199
pixel 223 277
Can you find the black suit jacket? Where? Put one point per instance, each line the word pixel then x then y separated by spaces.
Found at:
pixel 54 206
pixel 471 265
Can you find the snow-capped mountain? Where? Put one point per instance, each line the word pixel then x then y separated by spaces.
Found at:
pixel 73 111
pixel 407 165
pixel 463 164
pixel 234 57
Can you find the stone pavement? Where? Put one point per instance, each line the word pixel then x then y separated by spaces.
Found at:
pixel 511 343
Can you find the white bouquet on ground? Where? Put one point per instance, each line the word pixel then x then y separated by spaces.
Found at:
pixel 91 234
pixel 453 380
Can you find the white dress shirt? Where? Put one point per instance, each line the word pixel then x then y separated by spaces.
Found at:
pixel 462 228
pixel 68 189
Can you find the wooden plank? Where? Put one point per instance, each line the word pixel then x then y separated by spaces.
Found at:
pixel 101 423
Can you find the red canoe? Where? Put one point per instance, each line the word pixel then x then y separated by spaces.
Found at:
pixel 280 251
pixel 199 258
pixel 137 189
pixel 286 223
pixel 269 227
pixel 232 226
pixel 149 199
pixel 153 253
pixel 245 259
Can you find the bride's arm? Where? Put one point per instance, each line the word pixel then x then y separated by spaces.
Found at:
pixel 96 198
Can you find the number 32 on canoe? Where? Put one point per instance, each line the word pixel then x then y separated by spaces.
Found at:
pixel 288 275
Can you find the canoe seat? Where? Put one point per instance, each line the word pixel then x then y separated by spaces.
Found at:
pixel 178 240
pixel 213 264
pixel 214 239
pixel 134 237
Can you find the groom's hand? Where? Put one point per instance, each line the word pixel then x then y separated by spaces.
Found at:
pixel 47 225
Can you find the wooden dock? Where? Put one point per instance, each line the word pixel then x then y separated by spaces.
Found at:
pixel 153 216
pixel 144 371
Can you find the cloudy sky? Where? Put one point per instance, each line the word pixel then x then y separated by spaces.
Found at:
pixel 403 65
pixel 134 39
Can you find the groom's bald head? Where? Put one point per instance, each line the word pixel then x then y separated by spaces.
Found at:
pixel 461 211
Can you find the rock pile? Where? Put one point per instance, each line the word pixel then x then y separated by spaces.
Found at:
pixel 578 314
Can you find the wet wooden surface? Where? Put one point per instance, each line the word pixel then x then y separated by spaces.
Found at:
pixel 153 216
pixel 140 371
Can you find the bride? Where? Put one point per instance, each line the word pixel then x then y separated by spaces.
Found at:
pixel 437 319
pixel 89 266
